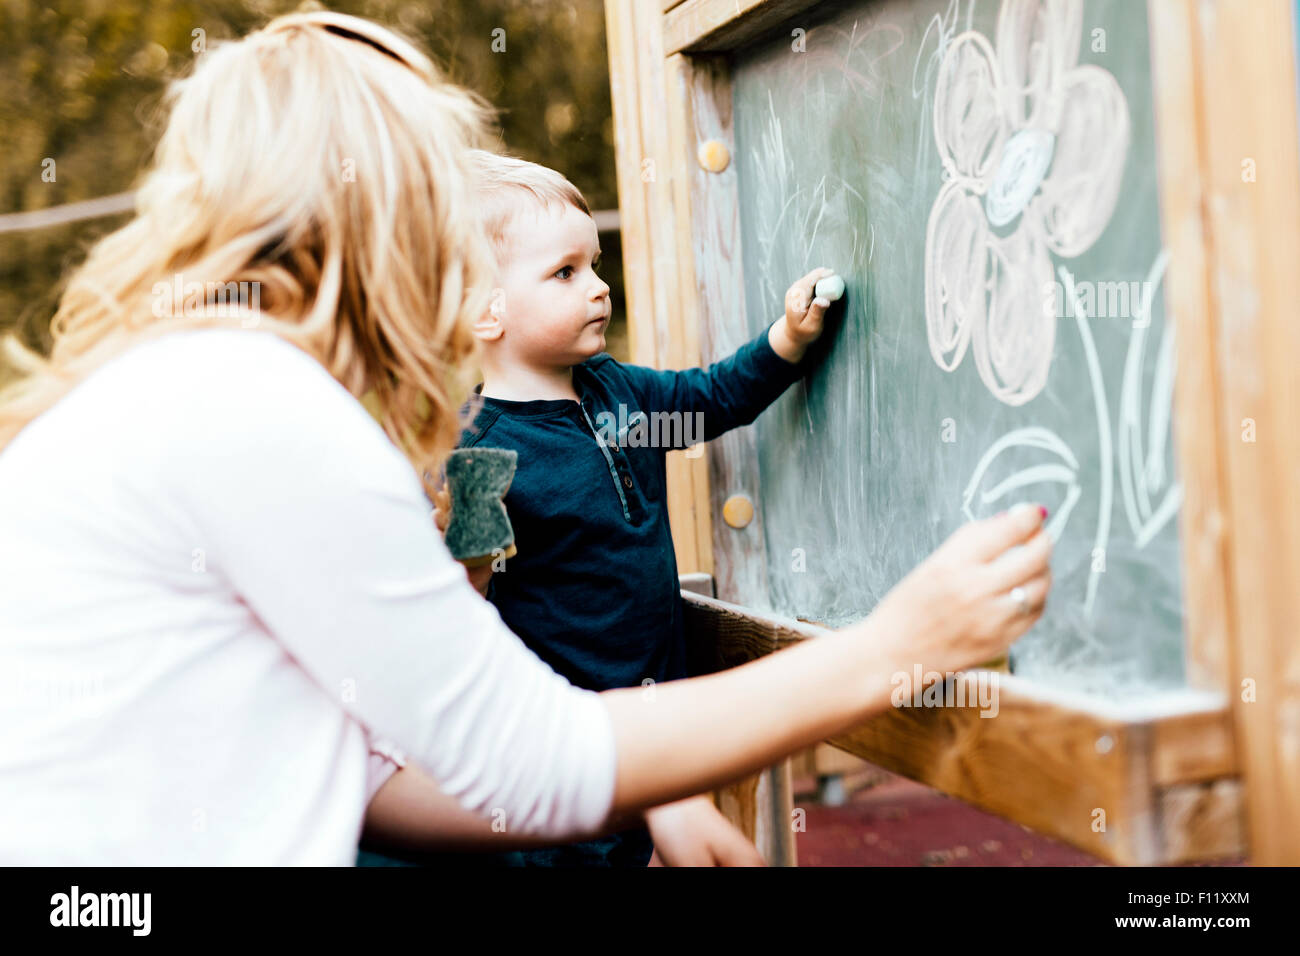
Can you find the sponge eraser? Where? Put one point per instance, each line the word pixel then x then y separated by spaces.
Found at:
pixel 831 287
pixel 477 480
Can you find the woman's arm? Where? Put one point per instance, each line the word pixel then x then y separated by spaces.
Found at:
pixel 410 812
pixel 697 734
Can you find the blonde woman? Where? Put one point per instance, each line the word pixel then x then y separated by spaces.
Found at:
pixel 220 588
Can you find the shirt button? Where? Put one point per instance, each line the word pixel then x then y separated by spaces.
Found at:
pixel 627 481
pixel 613 448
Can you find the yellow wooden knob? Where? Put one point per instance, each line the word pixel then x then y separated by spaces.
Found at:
pixel 738 511
pixel 714 155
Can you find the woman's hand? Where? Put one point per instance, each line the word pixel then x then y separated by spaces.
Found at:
pixel 480 576
pixel 692 832
pixel 977 593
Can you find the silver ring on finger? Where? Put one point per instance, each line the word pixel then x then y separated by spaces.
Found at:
pixel 1020 598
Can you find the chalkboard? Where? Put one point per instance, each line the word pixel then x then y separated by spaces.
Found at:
pixel 984 177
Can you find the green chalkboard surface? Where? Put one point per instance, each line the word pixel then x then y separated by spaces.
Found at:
pixel 984 177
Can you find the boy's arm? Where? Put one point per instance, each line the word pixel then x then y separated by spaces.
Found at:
pixel 735 390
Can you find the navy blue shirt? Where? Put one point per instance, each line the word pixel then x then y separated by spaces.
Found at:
pixel 593 589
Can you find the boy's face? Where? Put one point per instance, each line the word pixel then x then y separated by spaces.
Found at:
pixel 555 309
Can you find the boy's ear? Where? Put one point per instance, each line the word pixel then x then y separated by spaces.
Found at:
pixel 488 327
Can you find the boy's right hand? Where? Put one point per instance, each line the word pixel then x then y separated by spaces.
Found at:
pixel 976 594
pixel 804 318
pixel 480 576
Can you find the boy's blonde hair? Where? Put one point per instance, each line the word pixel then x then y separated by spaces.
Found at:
pixel 324 159
pixel 503 182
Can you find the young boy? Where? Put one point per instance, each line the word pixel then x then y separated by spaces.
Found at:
pixel 593 589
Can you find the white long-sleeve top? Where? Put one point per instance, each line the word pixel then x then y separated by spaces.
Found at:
pixel 218 579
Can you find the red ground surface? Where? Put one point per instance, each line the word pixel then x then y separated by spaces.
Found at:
pixel 897 822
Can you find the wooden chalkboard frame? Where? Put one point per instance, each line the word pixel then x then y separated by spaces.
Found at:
pixel 1174 786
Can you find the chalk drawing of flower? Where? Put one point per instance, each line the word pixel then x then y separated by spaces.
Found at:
pixel 1033 147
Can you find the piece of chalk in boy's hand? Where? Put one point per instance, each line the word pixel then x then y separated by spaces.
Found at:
pixel 830 288
pixel 479 530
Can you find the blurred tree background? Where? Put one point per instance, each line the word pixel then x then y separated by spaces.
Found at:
pixel 81 83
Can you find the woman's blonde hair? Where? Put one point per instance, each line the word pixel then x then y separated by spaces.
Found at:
pixel 322 160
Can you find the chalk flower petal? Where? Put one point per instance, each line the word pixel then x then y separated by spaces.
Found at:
pixel 1038 45
pixel 1013 346
pixel 956 273
pixel 1078 196
pixel 968 125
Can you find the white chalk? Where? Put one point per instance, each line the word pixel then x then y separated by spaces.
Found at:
pixel 831 288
